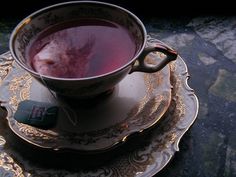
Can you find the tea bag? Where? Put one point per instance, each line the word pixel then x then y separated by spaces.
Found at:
pixel 52 59
pixel 38 114
pixel 62 58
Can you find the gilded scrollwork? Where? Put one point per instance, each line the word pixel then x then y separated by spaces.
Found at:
pixel 8 167
pixel 19 88
pixel 2 141
pixel 5 65
pixel 142 161
pixel 143 115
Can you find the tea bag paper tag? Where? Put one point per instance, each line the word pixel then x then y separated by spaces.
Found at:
pixel 39 114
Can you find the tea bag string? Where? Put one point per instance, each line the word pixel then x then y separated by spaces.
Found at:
pixel 66 109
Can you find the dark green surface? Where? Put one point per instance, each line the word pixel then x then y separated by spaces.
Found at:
pixel 208 46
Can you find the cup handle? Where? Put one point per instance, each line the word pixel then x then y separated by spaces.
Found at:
pixel 141 66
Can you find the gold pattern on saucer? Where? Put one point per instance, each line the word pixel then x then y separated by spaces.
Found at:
pixel 5 65
pixel 8 167
pixel 14 101
pixel 150 102
pixel 20 89
pixel 33 132
pixel 146 160
pixel 144 114
pixel 148 110
pixel 180 106
pixel 152 81
pixel 2 141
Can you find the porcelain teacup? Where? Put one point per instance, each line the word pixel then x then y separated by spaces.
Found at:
pixel 89 86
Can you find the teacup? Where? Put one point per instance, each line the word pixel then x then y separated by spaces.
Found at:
pixel 89 13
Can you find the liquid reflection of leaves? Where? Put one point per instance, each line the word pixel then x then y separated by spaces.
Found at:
pixel 74 48
pixel 61 55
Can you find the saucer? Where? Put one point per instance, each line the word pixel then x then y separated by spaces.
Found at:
pixel 136 104
pixel 5 65
pixel 145 161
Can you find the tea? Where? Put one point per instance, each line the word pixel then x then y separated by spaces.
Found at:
pixel 81 48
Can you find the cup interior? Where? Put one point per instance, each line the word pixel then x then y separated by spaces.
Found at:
pixel 35 23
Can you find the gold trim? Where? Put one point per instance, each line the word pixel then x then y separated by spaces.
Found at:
pixel 144 115
pixel 20 89
pixel 6 61
pixel 164 139
pixel 8 167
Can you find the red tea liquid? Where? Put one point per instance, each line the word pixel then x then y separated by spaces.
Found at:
pixel 83 48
